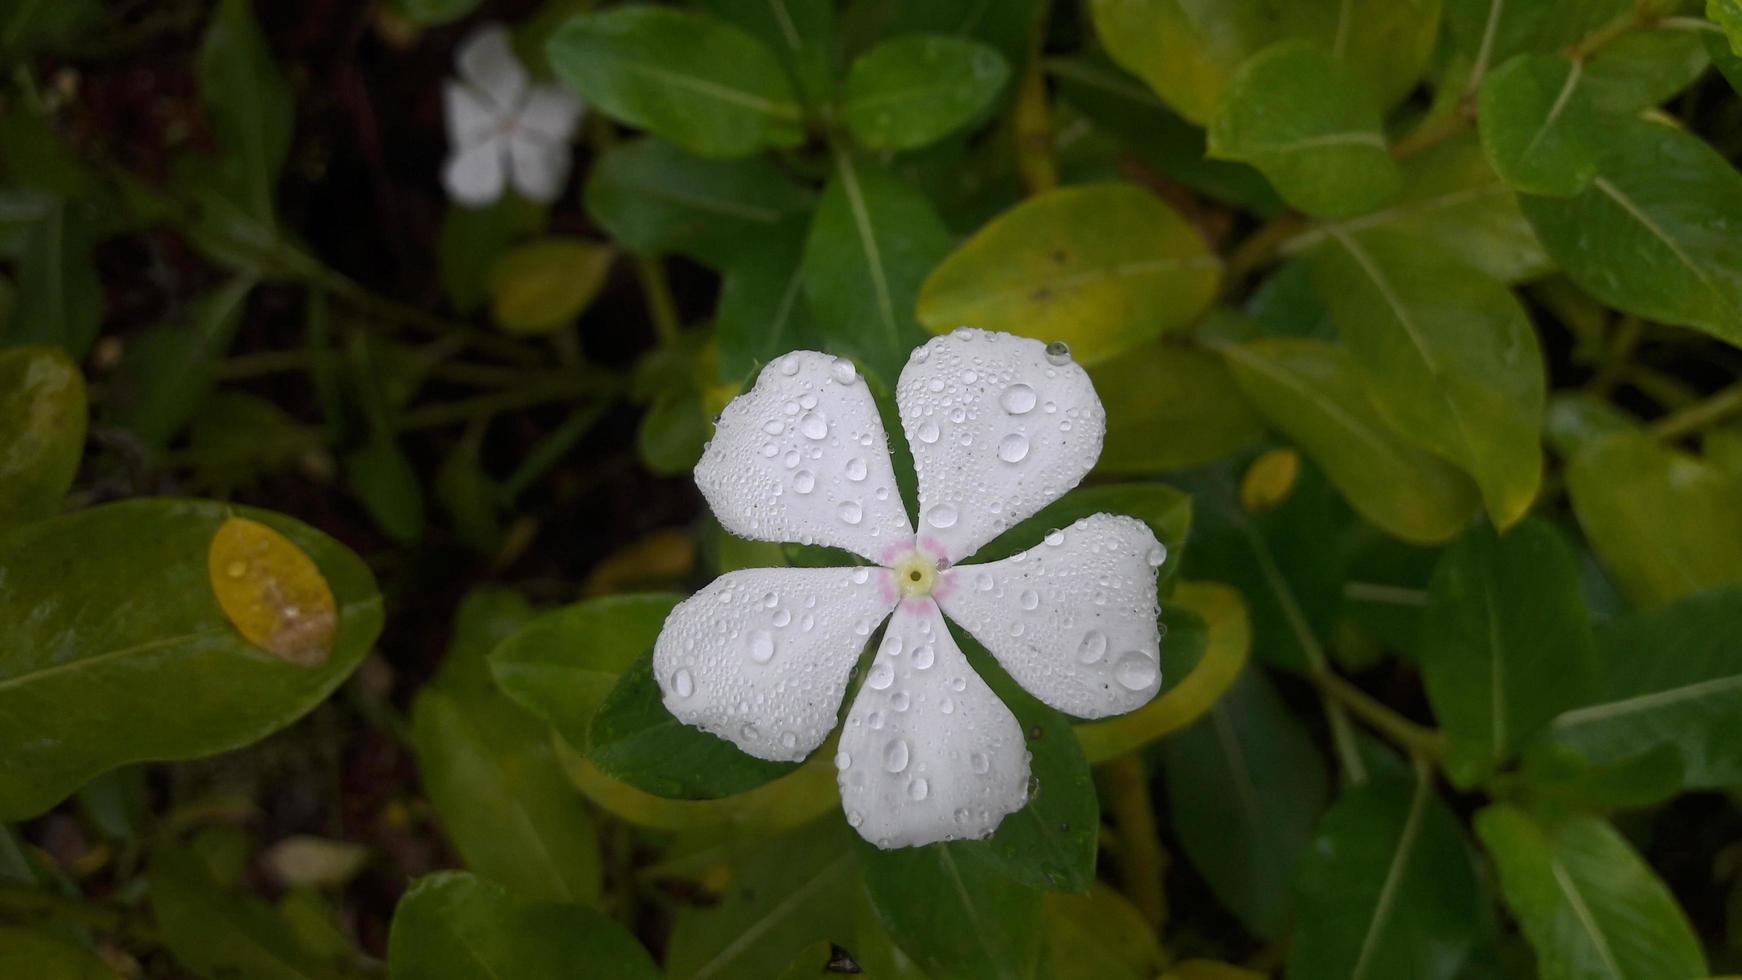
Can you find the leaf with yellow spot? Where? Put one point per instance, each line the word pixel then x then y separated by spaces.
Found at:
pixel 272 592
pixel 1269 480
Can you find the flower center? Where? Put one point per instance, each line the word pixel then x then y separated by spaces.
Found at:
pixel 915 575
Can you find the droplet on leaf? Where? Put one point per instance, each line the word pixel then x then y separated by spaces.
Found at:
pixel 272 592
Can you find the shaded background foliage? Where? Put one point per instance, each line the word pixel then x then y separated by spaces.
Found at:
pixel 1416 324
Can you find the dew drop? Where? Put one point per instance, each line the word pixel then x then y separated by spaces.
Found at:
pixel 682 683
pixel 1013 448
pixel 923 656
pixel 947 706
pixel 1093 647
pixel 843 760
pixel 1156 556
pixel 844 371
pixel 1135 671
pixel 1058 353
pixel 855 818
pixel 927 432
pixel 813 425
pixel 856 468
pixel 770 600
pixel 804 481
pixel 774 427
pixel 895 755
pixel 983 581
pixel 979 762
pixel 881 676
pixel 850 511
pixel 790 459
pixel 1055 537
pixel 789 739
pixel 1018 399
pixel 782 617
pixel 761 646
pixel 1030 599
pixel 770 450
pixel 807 622
pixel 941 516
pixel 891 645
pixel 789 365
pixel 918 789
pixel 900 700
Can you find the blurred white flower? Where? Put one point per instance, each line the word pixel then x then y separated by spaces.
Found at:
pixel 1000 426
pixel 503 128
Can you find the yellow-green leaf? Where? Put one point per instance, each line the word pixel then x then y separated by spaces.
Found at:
pixel 42 431
pixel 272 592
pixel 1170 407
pixel 543 285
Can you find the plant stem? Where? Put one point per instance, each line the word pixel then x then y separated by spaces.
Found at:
pixel 1142 861
pixel 1699 415
pixel 1260 248
pixel 484 406
pixel 661 307
pixel 1421 741
pixel 1435 132
pixel 1617 357
pixel 1032 120
pixel 20 902
pixel 552 449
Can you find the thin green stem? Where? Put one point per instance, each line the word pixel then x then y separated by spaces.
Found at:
pixel 661 307
pixel 552 449
pixel 496 403
pixel 1032 119
pixel 18 902
pixel 1142 861
pixel 1700 415
pixel 1421 741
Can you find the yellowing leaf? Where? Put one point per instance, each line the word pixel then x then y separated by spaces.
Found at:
pixel 1269 480
pixel 272 592
pixel 543 285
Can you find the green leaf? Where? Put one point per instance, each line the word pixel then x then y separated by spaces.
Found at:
pixel 1384 43
pixel 1388 888
pixel 1648 67
pixel 41 956
pixel 1099 936
pixel 953 911
pixel 471 239
pixel 456 926
pixel 1556 775
pixel 655 199
pixel 502 799
pixel 1102 267
pixel 781 894
pixel 1538 125
pixel 1170 408
pixel 1311 127
pixel 1449 359
pixel 1309 390
pixel 216 934
pixel 762 312
pixel 434 11
pixel 160 673
pixel 60 300
pixel 1668 677
pixel 803 34
pixel 673 432
pixel 1664 522
pixel 388 486
pixel 871 243
pixel 1505 643
pixel 1727 14
pixel 38 24
pixel 1726 53
pixel 563 664
pixel 544 285
pixel 1589 905
pixel 1245 787
pixel 634 739
pixel 42 431
pixel 250 106
pixel 919 88
pixel 687 77
pixel 167 374
pixel 1654 234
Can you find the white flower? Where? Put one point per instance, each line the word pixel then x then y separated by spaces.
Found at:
pixel 1000 426
pixel 502 127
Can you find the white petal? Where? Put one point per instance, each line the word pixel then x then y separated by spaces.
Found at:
pixel 487 60
pixel 803 457
pixel 998 429
pixel 473 176
pixel 471 118
pixel 539 167
pixel 761 656
pixel 928 753
pixel 551 111
pixel 1073 619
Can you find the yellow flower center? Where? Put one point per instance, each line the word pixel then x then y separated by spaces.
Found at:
pixel 915 575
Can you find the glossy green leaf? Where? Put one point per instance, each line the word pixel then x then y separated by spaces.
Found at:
pixel 456 926
pixel 1098 936
pixel 435 11
pixel 1102 267
pixel 41 956
pixel 687 77
pixel 654 199
pixel 250 106
pixel 1664 522
pixel 542 286
pixel 1556 775
pixel 160 674
pixel 1170 408
pixel 1311 127
pixel 762 312
pixel 489 768
pixel 1727 14
pixel 1590 906
pixel 673 432
pixel 1725 56
pixel 1245 787
pixel 1310 391
pixel 780 894
pixel 1384 43
pixel 167 374
pixel 1387 889
pixel 634 739
pixel 562 665
pixel 215 934
pixel 918 88
pixel 953 911
pixel 1579 420
pixel 1668 677
pixel 1448 357
pixel 1538 125
pixel 802 34
pixel 1654 234
pixel 1505 643
pixel 42 431
pixel 1647 67
pixel 60 300
pixel 872 242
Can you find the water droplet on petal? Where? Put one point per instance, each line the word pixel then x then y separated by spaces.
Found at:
pixel 1135 671
pixel 813 425
pixel 1156 556
pixel 1030 599
pixel 1058 353
pixel 843 760
pixel 804 481
pixel 923 656
pixel 1055 537
pixel 1013 448
pixel 1093 647
pixel 682 684
pixel 983 581
pixel 844 371
pixel 918 789
pixel 856 468
pixel 927 432
pixel 774 427
pixel 850 511
pixel 1018 399
pixel 979 762
pixel 782 617
pixel 881 676
pixel 762 646
pixel 895 755
pixel 789 365
pixel 941 516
